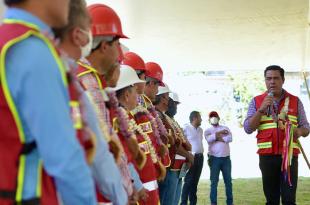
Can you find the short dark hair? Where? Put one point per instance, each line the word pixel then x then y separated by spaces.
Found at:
pixel 194 114
pixel 120 92
pixel 77 14
pixel 10 2
pixel 275 67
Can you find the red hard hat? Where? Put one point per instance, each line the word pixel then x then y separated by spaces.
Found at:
pixel 213 114
pixel 153 70
pixel 134 60
pixel 105 21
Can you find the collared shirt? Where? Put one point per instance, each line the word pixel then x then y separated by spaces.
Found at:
pixel 301 118
pixel 218 148
pixel 42 102
pixel 98 98
pixel 194 136
pixel 108 182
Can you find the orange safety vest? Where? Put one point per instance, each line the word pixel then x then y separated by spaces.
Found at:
pixel 13 147
pixel 84 69
pixel 148 173
pixel 148 105
pixel 270 136
pixel 176 160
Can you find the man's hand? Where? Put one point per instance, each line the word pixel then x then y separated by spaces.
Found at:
pixel 220 134
pixel 190 159
pixel 268 100
pixel 133 199
pixel 300 131
pixel 142 194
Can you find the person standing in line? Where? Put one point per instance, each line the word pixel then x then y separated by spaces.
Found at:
pixel 179 160
pixel 193 132
pixel 75 40
pixel 177 152
pixel 40 156
pixel 153 170
pixel 280 119
pixel 219 137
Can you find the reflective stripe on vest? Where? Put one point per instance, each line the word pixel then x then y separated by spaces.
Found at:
pixel 270 125
pixel 90 70
pixel 264 145
pixel 295 145
pixel 151 185
pixel 179 157
pixel 76 114
pixel 293 119
pixel 12 106
pixel 266 126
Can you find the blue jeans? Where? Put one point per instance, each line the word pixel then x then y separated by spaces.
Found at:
pixel 218 164
pixel 178 192
pixel 167 188
pixel 191 180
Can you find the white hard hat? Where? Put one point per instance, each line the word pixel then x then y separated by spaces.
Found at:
pixel 127 77
pixel 174 96
pixel 163 89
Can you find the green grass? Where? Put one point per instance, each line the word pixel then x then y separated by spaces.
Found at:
pixel 249 192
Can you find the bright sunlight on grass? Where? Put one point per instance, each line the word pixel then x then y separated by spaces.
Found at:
pixel 249 192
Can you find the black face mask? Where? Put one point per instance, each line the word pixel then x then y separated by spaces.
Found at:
pixel 172 108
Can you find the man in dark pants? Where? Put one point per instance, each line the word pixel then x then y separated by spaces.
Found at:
pixel 272 113
pixel 193 133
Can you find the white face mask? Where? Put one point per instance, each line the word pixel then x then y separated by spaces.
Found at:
pixel 214 120
pixel 85 50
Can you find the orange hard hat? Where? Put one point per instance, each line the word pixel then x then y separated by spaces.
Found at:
pixel 134 60
pixel 153 70
pixel 105 21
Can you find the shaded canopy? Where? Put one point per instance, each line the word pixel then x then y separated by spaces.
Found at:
pixel 216 35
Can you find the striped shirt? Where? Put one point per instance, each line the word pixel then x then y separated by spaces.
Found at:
pixel 301 119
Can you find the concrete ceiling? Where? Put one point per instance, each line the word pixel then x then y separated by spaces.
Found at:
pixel 215 35
pixel 184 35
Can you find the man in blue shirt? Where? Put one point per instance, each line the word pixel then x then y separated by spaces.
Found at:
pixel 42 102
pixel 75 42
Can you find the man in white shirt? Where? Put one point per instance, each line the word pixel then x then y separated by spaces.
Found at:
pixel 218 138
pixel 193 133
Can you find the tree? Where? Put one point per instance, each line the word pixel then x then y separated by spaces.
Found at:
pixel 246 85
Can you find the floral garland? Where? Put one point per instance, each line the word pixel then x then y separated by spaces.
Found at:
pixel 133 126
pixel 161 127
pixel 141 109
pixel 178 128
pixel 121 115
pixel 174 127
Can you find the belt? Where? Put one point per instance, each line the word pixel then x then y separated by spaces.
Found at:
pixel 151 185
pixel 198 154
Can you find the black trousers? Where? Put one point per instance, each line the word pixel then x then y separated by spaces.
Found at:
pixel 274 183
pixel 191 181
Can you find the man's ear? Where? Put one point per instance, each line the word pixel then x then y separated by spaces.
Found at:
pixel 75 36
pixel 126 94
pixel 103 46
